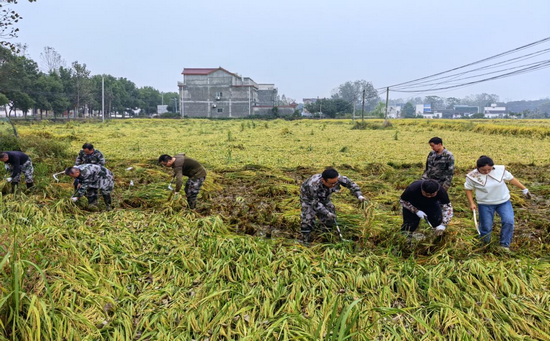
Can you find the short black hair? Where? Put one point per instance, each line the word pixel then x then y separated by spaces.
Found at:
pixel 71 170
pixel 329 173
pixel 484 161
pixel 430 186
pixel 3 155
pixel 436 140
pixel 88 146
pixel 164 158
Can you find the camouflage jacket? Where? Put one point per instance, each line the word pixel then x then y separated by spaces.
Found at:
pixel 440 168
pixel 96 158
pixel 91 176
pixel 317 195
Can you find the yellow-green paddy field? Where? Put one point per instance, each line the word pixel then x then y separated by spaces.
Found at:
pixel 232 269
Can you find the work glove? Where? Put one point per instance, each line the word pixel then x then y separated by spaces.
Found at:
pixel 74 199
pixel 361 198
pixel 525 192
pixel 8 179
pixel 421 214
pixel 439 230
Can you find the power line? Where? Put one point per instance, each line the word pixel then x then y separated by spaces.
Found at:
pixel 487 67
pixel 454 80
pixel 473 63
pixel 510 74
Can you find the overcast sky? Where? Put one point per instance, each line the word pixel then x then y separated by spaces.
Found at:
pixel 307 48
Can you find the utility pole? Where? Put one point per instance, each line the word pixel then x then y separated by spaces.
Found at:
pixel 176 104
pixel 354 105
pixel 386 123
pixel 102 99
pixel 363 109
pixel 162 101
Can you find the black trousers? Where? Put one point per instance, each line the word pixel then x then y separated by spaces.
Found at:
pixel 411 220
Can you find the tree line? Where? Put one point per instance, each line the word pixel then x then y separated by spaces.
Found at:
pixel 69 91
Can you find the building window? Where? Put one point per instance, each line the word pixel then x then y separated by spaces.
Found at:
pixel 220 109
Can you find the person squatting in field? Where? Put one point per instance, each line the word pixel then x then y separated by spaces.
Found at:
pixel 440 164
pixel 17 163
pixel 492 195
pixel 183 165
pixel 315 196
pixel 425 199
pixel 91 179
pixel 88 155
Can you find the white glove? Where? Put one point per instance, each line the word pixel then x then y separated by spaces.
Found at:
pixel 525 192
pixel 361 198
pixel 8 179
pixel 440 228
pixel 74 199
pixel 421 214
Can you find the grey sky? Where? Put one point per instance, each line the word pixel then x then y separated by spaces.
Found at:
pixel 307 48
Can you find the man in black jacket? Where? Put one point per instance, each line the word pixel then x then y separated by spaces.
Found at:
pixel 17 163
pixel 427 200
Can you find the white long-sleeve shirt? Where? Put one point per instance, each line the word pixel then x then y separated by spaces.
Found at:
pixel 490 189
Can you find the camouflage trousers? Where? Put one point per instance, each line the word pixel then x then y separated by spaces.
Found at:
pixel 192 188
pixel 26 169
pixel 309 214
pixel 105 185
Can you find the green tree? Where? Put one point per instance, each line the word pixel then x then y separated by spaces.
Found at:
pixel 379 110
pixel 149 99
pixel 171 98
pixel 19 75
pixel 50 94
pixel 408 110
pixel 451 102
pixel 330 107
pixel 352 92
pixel 82 87
pixel 436 102
pixel 8 20
pixel 3 99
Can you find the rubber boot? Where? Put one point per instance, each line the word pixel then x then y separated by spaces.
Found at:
pixel 107 199
pixel 306 238
pixel 92 201
pixel 30 184
pixel 192 204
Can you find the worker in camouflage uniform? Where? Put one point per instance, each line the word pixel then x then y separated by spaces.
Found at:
pixel 184 165
pixel 315 199
pixel 91 179
pixel 17 163
pixel 440 164
pixel 88 155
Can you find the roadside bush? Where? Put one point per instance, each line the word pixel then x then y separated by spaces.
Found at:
pixel 9 142
pixel 45 147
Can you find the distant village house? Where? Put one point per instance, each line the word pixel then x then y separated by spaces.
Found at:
pixel 216 92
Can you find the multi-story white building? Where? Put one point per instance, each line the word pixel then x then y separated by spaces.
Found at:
pixel 495 111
